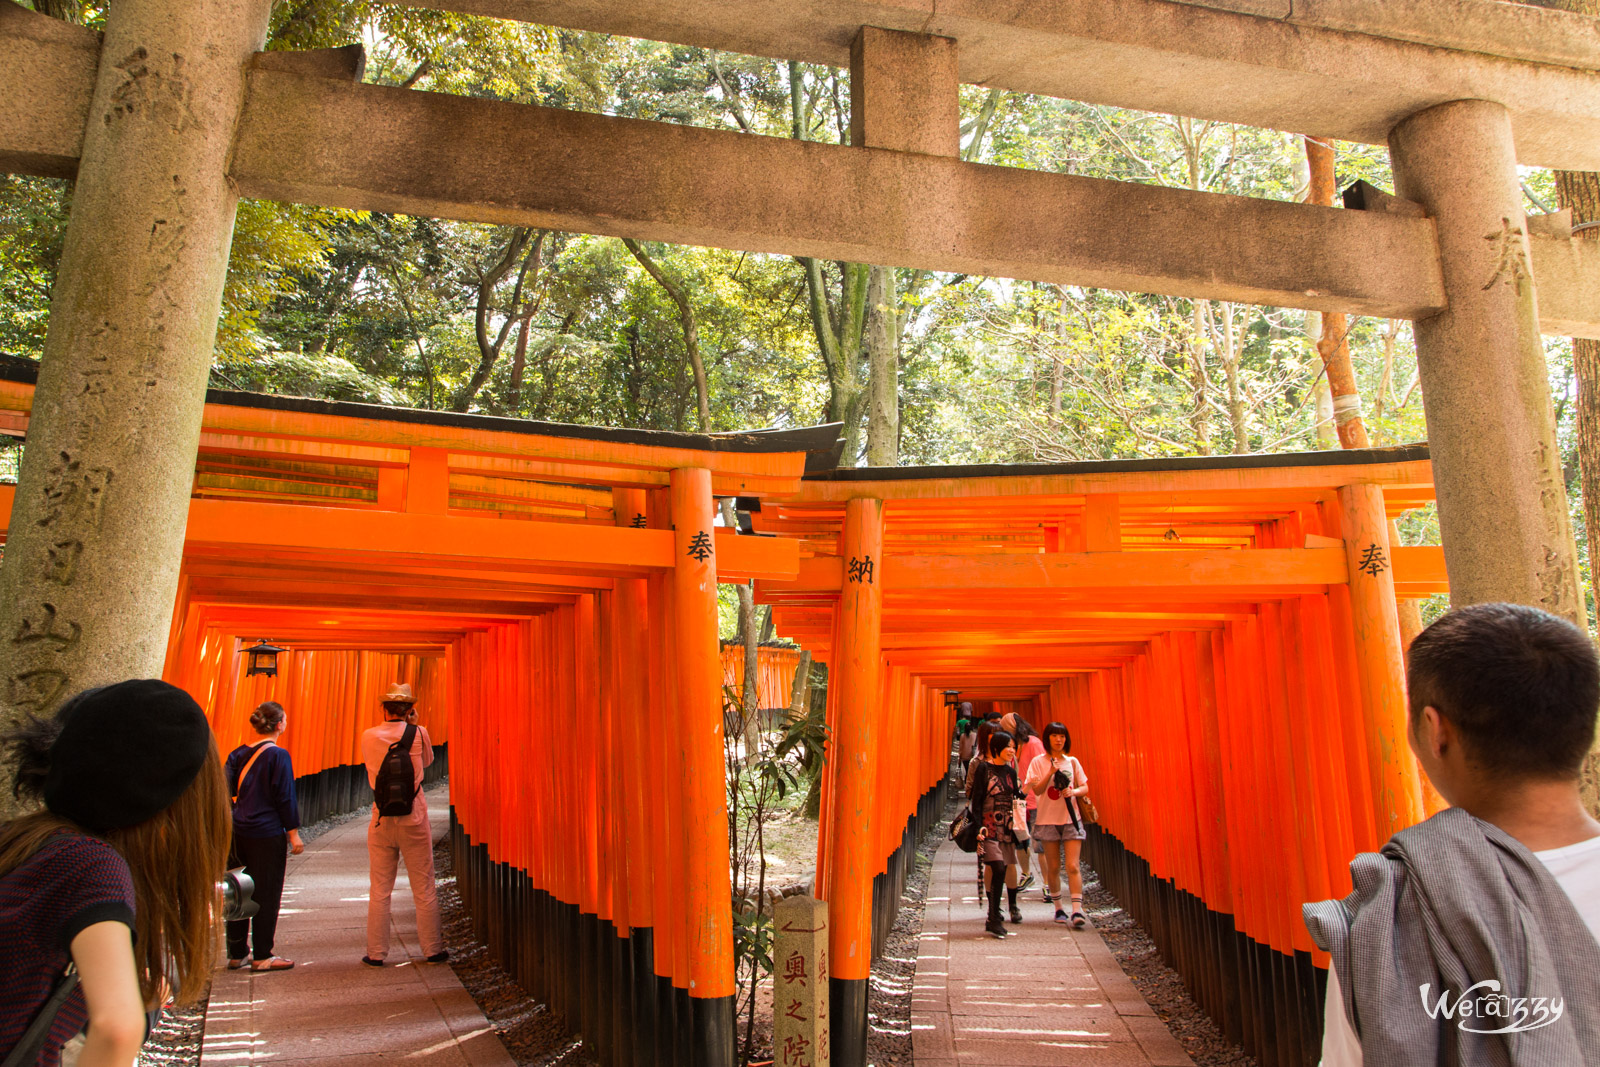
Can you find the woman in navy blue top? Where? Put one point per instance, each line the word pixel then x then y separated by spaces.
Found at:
pixel 266 827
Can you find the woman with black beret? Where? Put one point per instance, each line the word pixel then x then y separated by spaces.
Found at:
pixel 117 874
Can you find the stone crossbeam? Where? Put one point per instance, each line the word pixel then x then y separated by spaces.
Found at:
pixel 331 141
pixel 315 140
pixel 1347 69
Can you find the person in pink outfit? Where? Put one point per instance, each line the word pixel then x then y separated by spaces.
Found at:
pixel 391 838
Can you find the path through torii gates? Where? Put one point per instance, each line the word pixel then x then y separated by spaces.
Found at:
pixel 172 113
pixel 1221 635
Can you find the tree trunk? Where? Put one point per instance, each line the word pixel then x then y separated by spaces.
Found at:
pixel 1386 382
pixel 749 698
pixel 519 363
pixel 691 331
pixel 840 343
pixel 800 691
pixel 1334 343
pixel 839 338
pixel 883 368
pixel 1058 364
pixel 1200 418
pixel 489 348
pixel 750 642
pixel 1231 349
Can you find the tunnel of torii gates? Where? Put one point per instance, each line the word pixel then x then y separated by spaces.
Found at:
pixel 1201 670
pixel 1221 635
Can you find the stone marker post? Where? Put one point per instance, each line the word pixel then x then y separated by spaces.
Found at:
pixel 91 562
pixel 800 984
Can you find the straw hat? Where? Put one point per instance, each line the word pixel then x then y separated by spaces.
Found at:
pixel 399 692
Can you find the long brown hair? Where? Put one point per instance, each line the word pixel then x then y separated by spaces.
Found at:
pixel 176 858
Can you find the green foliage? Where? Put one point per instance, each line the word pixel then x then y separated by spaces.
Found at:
pixel 33 213
pixel 760 782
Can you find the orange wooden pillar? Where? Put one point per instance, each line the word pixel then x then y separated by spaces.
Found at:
pixel 631 611
pixel 857 667
pixel 673 1022
pixel 1396 783
pixel 708 891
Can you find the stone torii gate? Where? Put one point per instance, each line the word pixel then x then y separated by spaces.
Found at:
pixel 174 113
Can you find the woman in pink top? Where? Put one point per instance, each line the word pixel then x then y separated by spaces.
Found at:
pixel 1056 779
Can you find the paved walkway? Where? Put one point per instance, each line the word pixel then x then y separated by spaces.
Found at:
pixel 1046 995
pixel 332 1007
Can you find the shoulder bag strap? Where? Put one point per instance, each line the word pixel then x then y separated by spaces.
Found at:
pixel 251 762
pixel 26 1052
pixel 1073 767
pixel 406 742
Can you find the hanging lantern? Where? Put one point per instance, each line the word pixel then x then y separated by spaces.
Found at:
pixel 952 697
pixel 263 659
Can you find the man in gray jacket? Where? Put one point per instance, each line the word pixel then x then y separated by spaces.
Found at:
pixel 1471 939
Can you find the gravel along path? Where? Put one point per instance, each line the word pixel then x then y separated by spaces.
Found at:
pixel 530 1032
pixel 1158 983
pixel 537 1038
pixel 894 974
pixel 175 1042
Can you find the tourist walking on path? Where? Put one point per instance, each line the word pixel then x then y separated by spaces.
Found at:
pixel 994 792
pixel 964 735
pixel 1490 910
pixel 980 755
pixel 399 827
pixel 1029 748
pixel 1056 779
pixel 117 874
pixel 266 827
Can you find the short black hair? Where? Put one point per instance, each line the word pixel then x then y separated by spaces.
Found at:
pixel 992 716
pixel 1058 728
pixel 1522 686
pixel 397 708
pixel 999 741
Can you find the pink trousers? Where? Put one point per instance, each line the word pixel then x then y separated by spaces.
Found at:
pixel 388 841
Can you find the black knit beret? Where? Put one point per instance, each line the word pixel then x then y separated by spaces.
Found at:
pixel 125 752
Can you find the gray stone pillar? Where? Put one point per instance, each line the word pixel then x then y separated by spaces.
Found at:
pixel 91 563
pixel 1502 502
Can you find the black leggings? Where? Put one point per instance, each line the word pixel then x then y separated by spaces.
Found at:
pixel 264 860
pixel 997 885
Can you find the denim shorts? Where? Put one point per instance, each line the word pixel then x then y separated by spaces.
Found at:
pixel 1063 832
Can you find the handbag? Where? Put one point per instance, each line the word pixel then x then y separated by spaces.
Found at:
pixel 964 831
pixel 1086 807
pixel 28 1047
pixel 1019 820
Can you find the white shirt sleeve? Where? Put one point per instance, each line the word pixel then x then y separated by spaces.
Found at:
pixel 1340 1045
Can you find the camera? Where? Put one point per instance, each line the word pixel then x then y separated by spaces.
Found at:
pixel 1061 781
pixel 236 889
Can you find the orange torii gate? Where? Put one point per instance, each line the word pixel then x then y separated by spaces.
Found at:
pixel 1221 635
pixel 553 591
